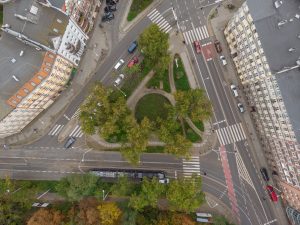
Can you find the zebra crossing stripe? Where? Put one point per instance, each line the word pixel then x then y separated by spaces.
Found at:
pixel 74 130
pixel 235 133
pixel 56 130
pixel 192 35
pixel 198 34
pixel 205 31
pixel 231 134
pixel 230 129
pixel 156 18
pixel 149 14
pixel 153 14
pixel 243 133
pixel 167 30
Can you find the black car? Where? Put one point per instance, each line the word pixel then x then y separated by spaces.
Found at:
pixel 111 2
pixel 110 8
pixel 69 142
pixel 108 16
pixel 264 174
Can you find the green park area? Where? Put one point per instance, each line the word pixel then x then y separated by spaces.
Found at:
pixel 1 15
pixel 137 6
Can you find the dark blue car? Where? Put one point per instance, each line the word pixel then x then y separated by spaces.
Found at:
pixel 132 47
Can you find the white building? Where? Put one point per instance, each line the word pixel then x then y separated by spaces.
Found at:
pixel 264 40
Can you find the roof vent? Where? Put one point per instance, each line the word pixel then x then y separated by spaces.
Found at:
pixel 292 49
pixel 282 22
pixel 277 4
pixel 297 16
pixel 298 62
pixel 299 36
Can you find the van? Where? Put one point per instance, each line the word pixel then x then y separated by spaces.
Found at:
pixel 234 90
pixel 119 79
pixel 21 53
pixel 119 64
pixel 15 78
pixel 132 47
pixel 69 142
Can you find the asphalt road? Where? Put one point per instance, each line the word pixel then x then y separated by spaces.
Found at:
pixel 233 178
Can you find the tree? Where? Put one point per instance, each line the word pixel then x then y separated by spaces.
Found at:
pixel 185 194
pixel 151 191
pixel 133 70
pixel 11 211
pixel 175 142
pixel 123 187
pixel 77 186
pixel 181 219
pixel 88 213
pixel 109 213
pixel 137 136
pixel 154 45
pixel 194 104
pixel 46 217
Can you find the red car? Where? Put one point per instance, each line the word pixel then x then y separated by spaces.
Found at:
pixel 133 61
pixel 272 193
pixel 218 46
pixel 197 46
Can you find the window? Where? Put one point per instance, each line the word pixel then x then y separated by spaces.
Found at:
pixel 40 77
pixel 26 90
pixel 33 84
pixel 59 21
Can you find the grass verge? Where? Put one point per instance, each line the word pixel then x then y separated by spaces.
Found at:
pixel 199 124
pixel 180 77
pixel 151 106
pixel 155 82
pixel 137 6
pixel 191 134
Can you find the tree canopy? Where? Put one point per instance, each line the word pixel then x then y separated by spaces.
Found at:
pixel 185 194
pixel 109 213
pixel 46 217
pixel 194 104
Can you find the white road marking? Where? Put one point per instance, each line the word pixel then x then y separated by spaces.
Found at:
pixel 196 34
pixel 159 20
pixel 231 134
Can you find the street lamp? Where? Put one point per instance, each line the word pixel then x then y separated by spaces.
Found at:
pixel 120 90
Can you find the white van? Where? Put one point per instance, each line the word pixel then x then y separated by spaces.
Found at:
pixel 119 64
pixel 21 53
pixel 234 90
pixel 15 78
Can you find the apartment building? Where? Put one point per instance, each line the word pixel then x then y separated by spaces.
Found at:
pixel 42 45
pixel 264 40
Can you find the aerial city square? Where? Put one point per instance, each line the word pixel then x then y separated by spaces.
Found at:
pixel 149 112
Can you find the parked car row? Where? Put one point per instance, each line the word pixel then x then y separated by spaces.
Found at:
pixel 133 61
pixel 111 6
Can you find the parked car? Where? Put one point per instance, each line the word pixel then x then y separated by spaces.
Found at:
pixel 119 64
pixel 132 47
pixel 223 60
pixel 197 46
pixel 133 61
pixel 234 90
pixel 110 8
pixel 264 174
pixel 69 142
pixel 272 193
pixel 108 16
pixel 119 79
pixel 241 107
pixel 218 46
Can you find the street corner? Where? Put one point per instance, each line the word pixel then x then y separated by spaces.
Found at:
pixel 67 129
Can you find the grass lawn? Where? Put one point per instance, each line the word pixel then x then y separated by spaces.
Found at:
pixel 132 81
pixel 151 106
pixel 191 134
pixel 1 15
pixel 137 7
pixel 155 81
pixel 199 124
pixel 180 78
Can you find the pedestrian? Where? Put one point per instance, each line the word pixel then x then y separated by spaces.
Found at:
pixel 204 173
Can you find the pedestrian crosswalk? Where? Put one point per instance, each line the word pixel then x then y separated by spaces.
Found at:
pixel 158 19
pixel 76 132
pixel 196 34
pixel 76 114
pixel 231 134
pixel 191 166
pixel 56 130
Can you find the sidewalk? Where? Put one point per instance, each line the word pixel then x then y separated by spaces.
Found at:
pixel 94 55
pixel 217 26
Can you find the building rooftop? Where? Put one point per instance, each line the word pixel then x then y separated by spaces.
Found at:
pixel 44 26
pixel 23 69
pixel 277 24
pixel 57 3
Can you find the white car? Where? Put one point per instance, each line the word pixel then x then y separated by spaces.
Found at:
pixel 119 79
pixel 223 60
pixel 241 107
pixel 234 90
pixel 164 181
pixel 119 64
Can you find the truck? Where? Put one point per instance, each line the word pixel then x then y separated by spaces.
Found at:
pixel 133 174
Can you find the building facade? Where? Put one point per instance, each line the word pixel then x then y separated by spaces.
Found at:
pixel 83 12
pixel 56 38
pixel 264 44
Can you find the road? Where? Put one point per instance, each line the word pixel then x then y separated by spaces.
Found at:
pixel 231 174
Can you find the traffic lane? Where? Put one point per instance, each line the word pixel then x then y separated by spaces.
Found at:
pixel 203 78
pixel 219 88
pixel 259 192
